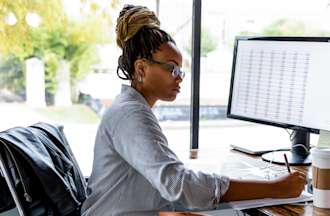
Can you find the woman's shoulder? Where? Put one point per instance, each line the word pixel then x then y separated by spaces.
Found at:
pixel 121 110
pixel 126 107
pixel 127 114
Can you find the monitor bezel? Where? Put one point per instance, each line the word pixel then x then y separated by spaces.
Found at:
pixel 261 121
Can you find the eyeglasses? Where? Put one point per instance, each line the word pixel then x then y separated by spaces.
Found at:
pixel 175 70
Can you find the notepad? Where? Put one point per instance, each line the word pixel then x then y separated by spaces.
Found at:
pixel 247 204
pixel 222 212
pixel 236 206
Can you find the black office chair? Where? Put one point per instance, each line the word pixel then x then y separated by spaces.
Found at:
pixel 39 174
pixel 9 198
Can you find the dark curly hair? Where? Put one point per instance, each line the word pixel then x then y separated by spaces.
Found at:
pixel 138 35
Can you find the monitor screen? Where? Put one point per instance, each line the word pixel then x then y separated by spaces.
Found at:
pixel 281 81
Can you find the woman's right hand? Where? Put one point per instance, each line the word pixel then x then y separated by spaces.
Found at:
pixel 289 185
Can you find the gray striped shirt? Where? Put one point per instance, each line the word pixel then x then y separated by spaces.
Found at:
pixel 135 172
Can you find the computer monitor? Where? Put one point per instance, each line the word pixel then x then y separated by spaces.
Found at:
pixel 284 82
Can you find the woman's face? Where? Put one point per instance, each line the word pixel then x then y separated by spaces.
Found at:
pixel 159 83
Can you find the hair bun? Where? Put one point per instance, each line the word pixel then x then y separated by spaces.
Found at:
pixel 131 19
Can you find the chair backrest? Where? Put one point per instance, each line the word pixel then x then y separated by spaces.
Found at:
pixel 9 198
pixel 41 172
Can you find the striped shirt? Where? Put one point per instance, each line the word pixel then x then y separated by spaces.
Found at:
pixel 134 170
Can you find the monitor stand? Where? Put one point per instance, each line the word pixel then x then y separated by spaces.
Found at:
pixel 299 154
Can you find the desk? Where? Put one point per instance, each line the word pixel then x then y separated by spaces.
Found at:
pixel 287 210
pixel 215 156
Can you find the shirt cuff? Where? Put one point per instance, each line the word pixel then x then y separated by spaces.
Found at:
pixel 221 187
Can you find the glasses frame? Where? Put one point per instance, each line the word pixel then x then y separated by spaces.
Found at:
pixel 174 69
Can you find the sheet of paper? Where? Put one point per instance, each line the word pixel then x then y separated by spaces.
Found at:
pixel 236 206
pixel 222 212
pixel 324 139
pixel 247 204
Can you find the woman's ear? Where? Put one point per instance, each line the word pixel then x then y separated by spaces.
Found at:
pixel 139 67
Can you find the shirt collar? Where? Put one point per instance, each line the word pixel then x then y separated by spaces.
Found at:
pixel 133 93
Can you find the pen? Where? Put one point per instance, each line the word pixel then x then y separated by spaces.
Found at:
pixel 287 163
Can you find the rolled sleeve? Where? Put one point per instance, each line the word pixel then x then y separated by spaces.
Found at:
pixel 221 187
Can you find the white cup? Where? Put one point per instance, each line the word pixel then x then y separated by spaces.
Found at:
pixel 321 176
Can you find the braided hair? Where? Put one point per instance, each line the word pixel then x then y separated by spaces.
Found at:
pixel 138 35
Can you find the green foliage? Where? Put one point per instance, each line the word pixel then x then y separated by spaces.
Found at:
pixel 63 43
pixel 51 64
pixel 287 27
pixel 12 74
pixel 247 33
pixel 208 43
pixel 15 38
pixel 81 62
pixel 57 38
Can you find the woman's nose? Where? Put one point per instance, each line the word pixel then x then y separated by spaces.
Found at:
pixel 178 79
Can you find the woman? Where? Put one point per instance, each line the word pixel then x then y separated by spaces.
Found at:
pixel 134 171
